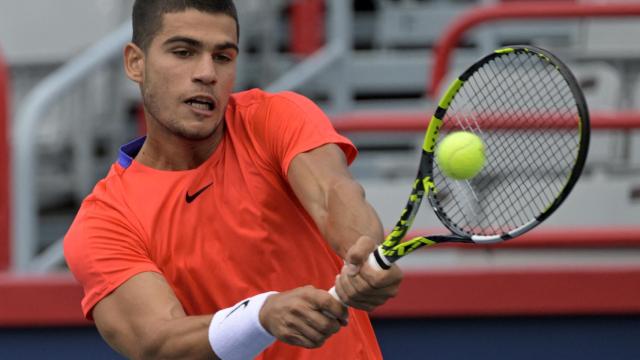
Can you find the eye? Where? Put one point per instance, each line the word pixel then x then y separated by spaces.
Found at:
pixel 222 58
pixel 182 53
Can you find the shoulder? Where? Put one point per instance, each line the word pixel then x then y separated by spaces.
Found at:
pixel 261 100
pixel 103 212
pixel 109 193
pixel 260 115
pixel 105 245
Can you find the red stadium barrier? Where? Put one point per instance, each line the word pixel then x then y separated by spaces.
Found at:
pixel 51 300
pixel 54 300
pixel 4 166
pixel 518 291
pixel 516 11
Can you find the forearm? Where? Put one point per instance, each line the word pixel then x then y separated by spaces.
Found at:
pixel 336 202
pixel 355 230
pixel 235 333
pixel 157 327
pixel 349 216
pixel 180 338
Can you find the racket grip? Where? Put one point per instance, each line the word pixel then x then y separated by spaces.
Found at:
pixel 333 293
pixel 377 261
pixel 372 261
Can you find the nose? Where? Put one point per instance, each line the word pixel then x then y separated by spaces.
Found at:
pixel 205 70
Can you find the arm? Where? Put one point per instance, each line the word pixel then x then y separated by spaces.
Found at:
pixel 143 319
pixel 336 202
pixel 322 182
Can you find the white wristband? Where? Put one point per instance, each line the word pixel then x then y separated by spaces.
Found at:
pixel 235 333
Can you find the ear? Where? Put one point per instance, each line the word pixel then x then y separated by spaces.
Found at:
pixel 134 62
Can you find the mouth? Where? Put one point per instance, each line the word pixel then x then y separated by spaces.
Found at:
pixel 201 103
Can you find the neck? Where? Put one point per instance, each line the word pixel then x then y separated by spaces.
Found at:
pixel 174 153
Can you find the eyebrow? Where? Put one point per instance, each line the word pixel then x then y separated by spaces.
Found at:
pixel 198 44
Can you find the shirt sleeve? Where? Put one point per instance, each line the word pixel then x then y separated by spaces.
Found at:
pixel 103 251
pixel 289 124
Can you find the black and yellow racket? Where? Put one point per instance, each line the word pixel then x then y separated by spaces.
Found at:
pixel 528 110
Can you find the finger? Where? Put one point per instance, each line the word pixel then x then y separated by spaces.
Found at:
pixel 373 295
pixel 332 308
pixel 342 294
pixel 294 323
pixel 325 314
pixel 294 337
pixel 358 253
pixel 358 293
pixel 323 324
pixel 381 279
pixel 362 286
pixel 302 331
pixel 334 292
pixel 349 294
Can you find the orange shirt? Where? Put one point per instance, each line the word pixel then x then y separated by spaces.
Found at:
pixel 227 230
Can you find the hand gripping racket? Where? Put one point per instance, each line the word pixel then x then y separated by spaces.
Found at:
pixel 529 111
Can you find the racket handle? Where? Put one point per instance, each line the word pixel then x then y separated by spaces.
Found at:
pixel 378 261
pixel 372 261
pixel 333 293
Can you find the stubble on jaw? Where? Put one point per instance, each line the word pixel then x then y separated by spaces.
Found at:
pixel 172 125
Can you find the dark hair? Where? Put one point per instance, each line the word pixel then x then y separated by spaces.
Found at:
pixel 148 14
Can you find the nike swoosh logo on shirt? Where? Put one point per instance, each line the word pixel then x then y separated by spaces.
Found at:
pixel 191 198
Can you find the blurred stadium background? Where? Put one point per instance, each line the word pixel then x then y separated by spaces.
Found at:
pixel 569 290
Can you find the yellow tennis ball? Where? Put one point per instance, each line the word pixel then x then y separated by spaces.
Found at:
pixel 460 155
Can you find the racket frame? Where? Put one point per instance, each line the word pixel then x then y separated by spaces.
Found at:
pixel 393 248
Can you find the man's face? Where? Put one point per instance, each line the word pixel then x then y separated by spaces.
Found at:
pixel 189 73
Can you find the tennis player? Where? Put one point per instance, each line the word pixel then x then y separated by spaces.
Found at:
pixel 217 234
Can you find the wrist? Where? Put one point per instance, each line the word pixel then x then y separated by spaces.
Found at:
pixel 264 311
pixel 237 331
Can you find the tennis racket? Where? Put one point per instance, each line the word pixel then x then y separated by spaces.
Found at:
pixel 529 111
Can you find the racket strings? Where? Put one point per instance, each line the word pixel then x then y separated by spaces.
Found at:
pixel 524 110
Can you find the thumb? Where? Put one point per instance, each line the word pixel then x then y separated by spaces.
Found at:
pixel 358 254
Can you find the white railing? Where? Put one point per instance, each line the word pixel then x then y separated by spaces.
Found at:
pixel 334 55
pixel 24 160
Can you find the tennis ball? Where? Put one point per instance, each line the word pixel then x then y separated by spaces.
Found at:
pixel 460 155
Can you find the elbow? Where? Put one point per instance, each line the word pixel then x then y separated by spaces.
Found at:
pixel 349 215
pixel 343 189
pixel 143 349
pixel 154 347
pixel 149 350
